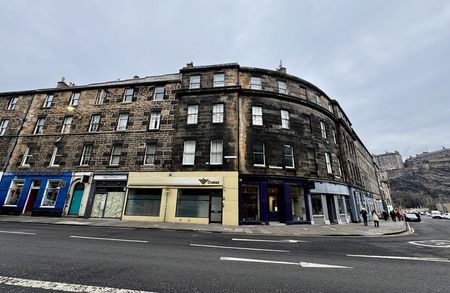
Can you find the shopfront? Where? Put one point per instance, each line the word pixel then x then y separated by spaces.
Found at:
pixel 78 194
pixel 264 200
pixel 37 193
pixel 330 203
pixel 107 196
pixel 182 197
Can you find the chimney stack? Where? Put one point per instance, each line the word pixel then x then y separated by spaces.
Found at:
pixel 281 69
pixel 190 64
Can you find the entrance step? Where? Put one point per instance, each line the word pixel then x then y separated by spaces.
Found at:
pixel 276 224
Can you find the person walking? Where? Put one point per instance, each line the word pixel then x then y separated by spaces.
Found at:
pixel 376 218
pixel 399 215
pixel 392 215
pixel 385 215
pixel 364 216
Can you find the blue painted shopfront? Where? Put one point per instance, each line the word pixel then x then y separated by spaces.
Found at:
pixel 274 199
pixel 38 194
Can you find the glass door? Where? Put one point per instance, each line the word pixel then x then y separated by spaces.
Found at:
pixel 215 208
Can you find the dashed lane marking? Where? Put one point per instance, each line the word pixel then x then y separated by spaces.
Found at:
pixel 268 240
pixel 302 264
pixel 17 232
pixel 432 243
pixel 436 259
pixel 109 239
pixel 65 287
pixel 238 248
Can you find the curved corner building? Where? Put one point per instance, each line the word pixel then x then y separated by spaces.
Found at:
pixel 213 144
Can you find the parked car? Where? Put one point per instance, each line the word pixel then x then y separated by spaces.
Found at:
pixel 409 217
pixel 446 216
pixel 436 215
pixel 428 214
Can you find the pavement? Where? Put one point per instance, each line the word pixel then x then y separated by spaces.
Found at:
pixel 351 229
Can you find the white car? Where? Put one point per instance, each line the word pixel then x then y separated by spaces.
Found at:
pixel 436 215
pixel 446 216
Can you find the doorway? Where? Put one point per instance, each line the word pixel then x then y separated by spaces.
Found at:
pixel 215 207
pixel 108 205
pixel 32 195
pixel 331 209
pixel 275 198
pixel 77 196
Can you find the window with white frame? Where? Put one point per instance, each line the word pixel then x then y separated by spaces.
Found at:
pixel 285 123
pixel 255 83
pixel 328 162
pixel 86 155
pixel 94 124
pixel 339 166
pixel 158 95
pixel 282 87
pixel 259 156
pixel 150 151
pixel 14 192
pixel 39 128
pixel 218 110
pixel 219 80
pixel 216 155
pixel 51 193
pixel 257 115
pixel 56 157
pixel 3 126
pixel 100 99
pixel 333 132
pixel 288 156
pixel 116 154
pixel 323 129
pixel 318 102
pixel 27 156
pixel 155 120
pixel 74 99
pixel 128 95
pixel 67 124
pixel 189 152
pixel 192 114
pixel 194 81
pixel 48 101
pixel 122 122
pixel 12 103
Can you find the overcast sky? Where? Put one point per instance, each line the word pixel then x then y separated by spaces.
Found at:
pixel 386 62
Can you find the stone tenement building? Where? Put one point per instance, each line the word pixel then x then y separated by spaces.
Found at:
pixel 389 161
pixel 210 144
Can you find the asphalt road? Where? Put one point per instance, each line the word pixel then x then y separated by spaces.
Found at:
pixel 61 257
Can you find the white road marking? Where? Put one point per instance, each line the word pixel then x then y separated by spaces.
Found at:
pixel 432 243
pixel 302 264
pixel 109 239
pixel 239 248
pixel 65 287
pixel 17 232
pixel 268 240
pixel 402 257
pixel 330 228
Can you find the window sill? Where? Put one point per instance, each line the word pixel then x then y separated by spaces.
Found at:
pixel 126 102
pixel 9 206
pixel 290 168
pixel 259 166
pixel 24 166
pixel 47 207
pixel 113 166
pixel 54 166
pixel 154 129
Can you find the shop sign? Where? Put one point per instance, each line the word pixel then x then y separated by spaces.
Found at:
pixel 175 181
pixel 329 188
pixel 110 177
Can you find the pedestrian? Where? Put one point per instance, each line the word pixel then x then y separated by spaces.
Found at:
pixel 376 218
pixel 392 215
pixel 385 215
pixel 418 216
pixel 364 216
pixel 399 215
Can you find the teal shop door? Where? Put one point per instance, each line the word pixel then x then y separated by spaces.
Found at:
pixel 76 199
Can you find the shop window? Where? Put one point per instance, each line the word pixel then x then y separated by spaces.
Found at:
pixel 257 115
pixel 218 113
pixel 219 80
pixel 143 202
pixel 316 201
pixel 155 120
pixel 74 99
pixel 14 192
pixel 216 154
pixel 189 152
pixel 51 193
pixel 193 203
pixel 255 83
pixel 298 203
pixel 158 95
pixel 101 95
pixel 259 154
pixel 48 101
pixel 194 82
pixel 94 125
pixel 192 114
pixel 250 202
pixel 347 204
pixel 128 96
pixel 12 103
